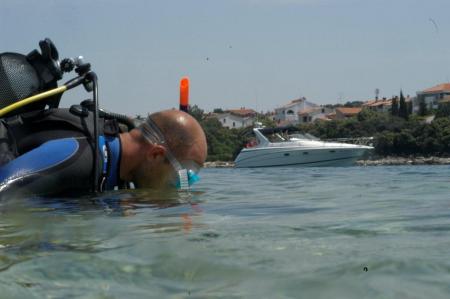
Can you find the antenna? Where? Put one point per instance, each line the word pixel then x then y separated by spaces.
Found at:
pixel 377 93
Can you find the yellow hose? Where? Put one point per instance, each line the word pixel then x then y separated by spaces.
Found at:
pixel 32 99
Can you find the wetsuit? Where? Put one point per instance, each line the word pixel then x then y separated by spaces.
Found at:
pixel 51 152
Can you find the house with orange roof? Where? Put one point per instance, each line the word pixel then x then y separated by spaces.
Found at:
pixel 315 113
pixel 432 96
pixel 289 113
pixel 344 112
pixel 237 118
pixel 383 105
pixel 378 105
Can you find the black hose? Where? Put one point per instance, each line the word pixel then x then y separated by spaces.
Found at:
pixel 121 118
pixel 93 78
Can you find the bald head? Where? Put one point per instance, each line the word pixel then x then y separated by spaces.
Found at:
pixel 184 135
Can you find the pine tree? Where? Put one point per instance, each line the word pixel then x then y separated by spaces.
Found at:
pixel 394 109
pixel 402 110
pixel 422 107
pixel 410 107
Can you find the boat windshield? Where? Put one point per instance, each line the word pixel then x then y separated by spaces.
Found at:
pixel 284 136
pixel 300 136
pixel 277 137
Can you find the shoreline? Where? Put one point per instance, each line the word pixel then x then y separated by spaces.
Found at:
pixel 375 162
pixel 404 161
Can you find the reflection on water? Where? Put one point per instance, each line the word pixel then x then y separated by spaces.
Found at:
pixel 246 233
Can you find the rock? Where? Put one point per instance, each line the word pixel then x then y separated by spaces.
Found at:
pixel 405 161
pixel 219 164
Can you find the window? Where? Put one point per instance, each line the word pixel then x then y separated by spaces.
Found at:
pixel 290 112
pixel 224 120
pixel 234 125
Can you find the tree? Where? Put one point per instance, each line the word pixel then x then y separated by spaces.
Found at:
pixel 394 109
pixel 443 110
pixel 268 122
pixel 402 110
pixel 409 105
pixel 196 112
pixel 353 104
pixel 365 114
pixel 423 110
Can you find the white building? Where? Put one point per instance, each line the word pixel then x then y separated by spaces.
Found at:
pixel 312 114
pixel 432 96
pixel 379 105
pixel 289 113
pixel 237 118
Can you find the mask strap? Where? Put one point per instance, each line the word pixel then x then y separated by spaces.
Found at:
pixel 153 134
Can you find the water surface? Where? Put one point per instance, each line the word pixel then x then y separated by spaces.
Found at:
pixel 356 232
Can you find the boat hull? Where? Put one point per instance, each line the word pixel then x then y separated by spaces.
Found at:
pixel 299 157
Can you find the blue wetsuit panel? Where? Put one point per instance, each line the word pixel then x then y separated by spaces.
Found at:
pixel 43 157
pixel 59 166
pixel 114 162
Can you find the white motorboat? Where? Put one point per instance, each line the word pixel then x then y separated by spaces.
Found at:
pixel 281 147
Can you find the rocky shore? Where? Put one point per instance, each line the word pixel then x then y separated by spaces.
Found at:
pixel 375 162
pixel 219 164
pixel 405 161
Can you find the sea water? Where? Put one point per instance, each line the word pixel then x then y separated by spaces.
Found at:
pixel 355 232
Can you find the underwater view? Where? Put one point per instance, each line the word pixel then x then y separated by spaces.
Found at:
pixel 356 232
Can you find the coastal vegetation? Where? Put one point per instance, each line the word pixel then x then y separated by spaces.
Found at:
pixel 398 133
pixel 393 135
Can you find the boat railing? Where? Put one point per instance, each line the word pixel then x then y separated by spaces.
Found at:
pixel 356 140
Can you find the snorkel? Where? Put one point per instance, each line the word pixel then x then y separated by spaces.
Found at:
pixel 184 94
pixel 186 172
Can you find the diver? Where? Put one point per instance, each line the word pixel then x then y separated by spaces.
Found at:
pixel 47 150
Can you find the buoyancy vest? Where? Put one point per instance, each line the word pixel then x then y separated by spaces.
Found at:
pixel 64 137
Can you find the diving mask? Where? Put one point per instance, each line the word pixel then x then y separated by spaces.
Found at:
pixel 186 172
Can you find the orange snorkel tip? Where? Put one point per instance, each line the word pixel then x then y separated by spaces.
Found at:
pixel 184 94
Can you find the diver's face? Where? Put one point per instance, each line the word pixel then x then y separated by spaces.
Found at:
pixel 163 175
pixel 154 175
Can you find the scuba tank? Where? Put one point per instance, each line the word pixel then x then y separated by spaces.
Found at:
pixel 29 90
pixel 23 76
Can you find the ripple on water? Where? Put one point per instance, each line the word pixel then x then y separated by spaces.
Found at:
pixel 245 233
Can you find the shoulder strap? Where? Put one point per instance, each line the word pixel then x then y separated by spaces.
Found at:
pixel 30 130
pixel 7 149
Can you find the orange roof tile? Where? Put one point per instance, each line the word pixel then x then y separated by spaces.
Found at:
pixel 292 103
pixel 242 112
pixel 331 115
pixel 375 103
pixel 308 110
pixel 369 102
pixel 348 111
pixel 381 103
pixel 323 117
pixel 284 123
pixel 437 88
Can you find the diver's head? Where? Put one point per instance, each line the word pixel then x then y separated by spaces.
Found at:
pixel 174 150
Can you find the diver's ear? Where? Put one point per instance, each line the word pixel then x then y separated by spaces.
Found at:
pixel 156 151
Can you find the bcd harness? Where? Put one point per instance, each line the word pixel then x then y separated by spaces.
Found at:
pixel 25 132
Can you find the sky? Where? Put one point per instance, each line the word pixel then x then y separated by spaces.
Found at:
pixel 257 54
